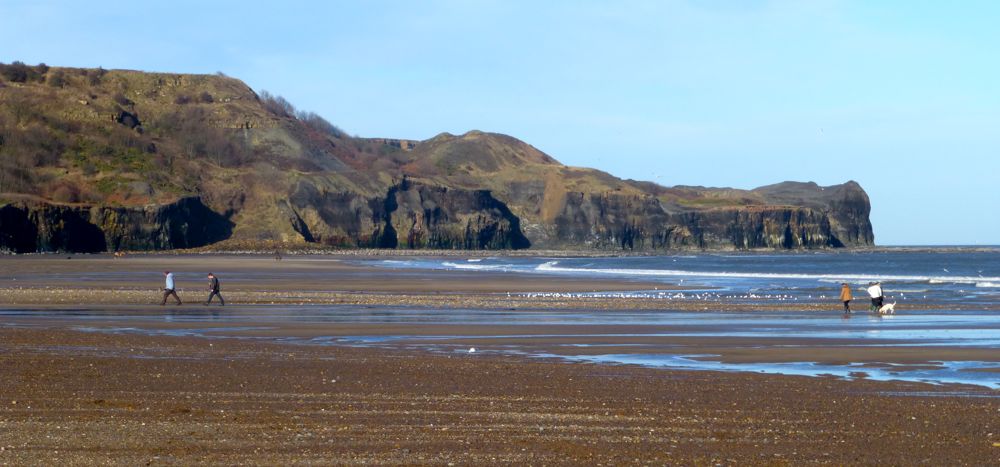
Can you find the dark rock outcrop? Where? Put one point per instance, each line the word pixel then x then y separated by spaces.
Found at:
pixel 129 120
pixel 410 215
pixel 820 217
pixel 447 218
pixel 34 226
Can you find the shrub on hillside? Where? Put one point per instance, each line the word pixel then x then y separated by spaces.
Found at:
pixel 40 70
pixel 17 72
pixel 57 79
pixel 39 146
pixel 190 129
pixel 65 193
pixel 122 100
pixel 320 124
pixel 94 77
pixel 277 104
pixel 15 178
pixel 21 107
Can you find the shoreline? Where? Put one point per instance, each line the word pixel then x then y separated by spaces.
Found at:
pixel 42 280
pixel 326 292
pixel 96 372
pixel 312 250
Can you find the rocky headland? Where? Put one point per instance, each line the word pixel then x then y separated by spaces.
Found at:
pixel 106 160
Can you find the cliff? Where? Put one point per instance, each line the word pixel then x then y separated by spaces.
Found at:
pixel 96 160
pixel 30 226
pixel 645 222
pixel 408 215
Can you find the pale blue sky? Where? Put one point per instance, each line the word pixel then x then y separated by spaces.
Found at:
pixel 901 96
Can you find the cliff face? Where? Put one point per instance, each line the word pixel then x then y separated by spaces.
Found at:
pixel 419 216
pixel 100 160
pixel 571 207
pixel 408 215
pixel 609 221
pixel 28 226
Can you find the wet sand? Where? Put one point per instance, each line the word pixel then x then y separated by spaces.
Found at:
pixel 42 281
pixel 85 398
pixel 527 340
pixel 71 397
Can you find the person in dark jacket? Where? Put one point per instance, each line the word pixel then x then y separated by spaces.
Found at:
pixel 213 286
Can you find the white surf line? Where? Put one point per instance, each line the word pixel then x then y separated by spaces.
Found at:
pixel 552 266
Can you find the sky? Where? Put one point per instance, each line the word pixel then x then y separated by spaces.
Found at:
pixel 900 96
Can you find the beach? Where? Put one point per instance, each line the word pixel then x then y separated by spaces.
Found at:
pixel 327 360
pixel 84 398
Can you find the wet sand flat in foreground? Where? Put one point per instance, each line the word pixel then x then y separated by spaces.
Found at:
pixel 85 398
pixel 71 397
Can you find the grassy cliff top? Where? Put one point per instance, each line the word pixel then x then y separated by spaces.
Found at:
pixel 123 137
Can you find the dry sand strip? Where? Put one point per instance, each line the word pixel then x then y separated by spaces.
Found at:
pixel 87 398
pixel 252 273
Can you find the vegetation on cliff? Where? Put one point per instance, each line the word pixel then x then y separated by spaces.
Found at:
pixel 87 141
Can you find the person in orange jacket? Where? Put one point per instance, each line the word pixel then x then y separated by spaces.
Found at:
pixel 846 297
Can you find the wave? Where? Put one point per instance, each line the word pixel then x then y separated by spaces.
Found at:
pixel 478 267
pixel 553 267
pixel 988 284
pixel 396 261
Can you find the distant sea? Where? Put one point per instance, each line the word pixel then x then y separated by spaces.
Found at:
pixel 954 293
pixel 958 275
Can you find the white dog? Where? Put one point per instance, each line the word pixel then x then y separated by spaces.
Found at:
pixel 888 309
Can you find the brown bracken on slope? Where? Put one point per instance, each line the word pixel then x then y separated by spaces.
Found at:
pixel 107 160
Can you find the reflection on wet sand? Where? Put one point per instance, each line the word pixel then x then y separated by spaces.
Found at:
pixel 505 306
pixel 935 347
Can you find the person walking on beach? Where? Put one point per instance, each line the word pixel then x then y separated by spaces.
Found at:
pixel 875 292
pixel 846 297
pixel 881 295
pixel 213 286
pixel 168 288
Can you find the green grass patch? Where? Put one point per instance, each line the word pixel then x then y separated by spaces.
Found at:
pixel 108 185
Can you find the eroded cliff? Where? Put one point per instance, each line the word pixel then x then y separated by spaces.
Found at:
pixel 34 226
pixel 100 160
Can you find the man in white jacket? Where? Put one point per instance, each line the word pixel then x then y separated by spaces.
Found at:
pixel 168 288
pixel 875 291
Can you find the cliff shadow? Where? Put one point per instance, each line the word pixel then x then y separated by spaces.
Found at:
pixel 191 224
pixel 67 229
pixel 17 233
